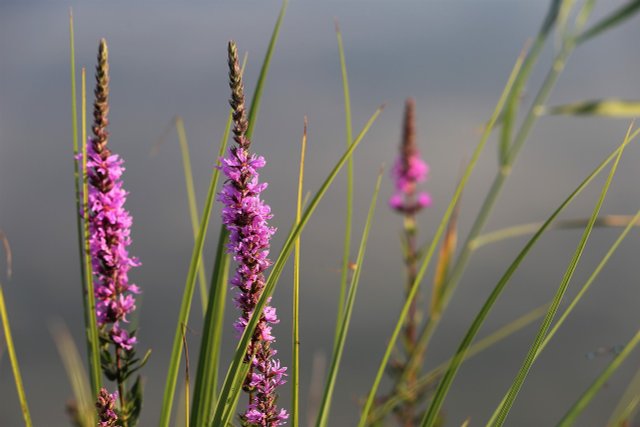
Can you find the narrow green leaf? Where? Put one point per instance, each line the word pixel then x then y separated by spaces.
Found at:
pixel 295 364
pixel 546 323
pixel 193 205
pixel 206 382
pixel 91 327
pixel 604 221
pixel 578 297
pixel 323 415
pixel 14 361
pixel 614 19
pixel 257 94
pixel 441 228
pixel 478 347
pixel 234 378
pixel 599 107
pixel 590 393
pixel 444 385
pixel 346 254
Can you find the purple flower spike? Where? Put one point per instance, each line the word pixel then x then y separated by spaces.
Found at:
pixel 409 169
pixel 245 216
pixel 106 404
pixel 109 222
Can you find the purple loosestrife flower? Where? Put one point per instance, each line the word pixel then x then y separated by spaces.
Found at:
pixel 109 221
pixel 409 169
pixel 245 216
pixel 106 404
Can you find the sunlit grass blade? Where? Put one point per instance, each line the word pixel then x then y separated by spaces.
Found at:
pixel 91 327
pixel 323 415
pixel 478 347
pixel 441 228
pixel 193 205
pixel 346 252
pixel 578 296
pixel 620 15
pixel 295 364
pixel 628 403
pixel 444 385
pixel 234 378
pixel 84 405
pixel 14 361
pixel 584 400
pixel 257 94
pixel 546 323
pixel 205 389
pixel 603 221
pixel 598 107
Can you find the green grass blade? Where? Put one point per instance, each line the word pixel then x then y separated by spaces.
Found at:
pixel 14 361
pixel 599 107
pixel 77 375
pixel 546 323
pixel 628 404
pixel 193 205
pixel 295 364
pixel 444 385
pixel 234 378
pixel 603 221
pixel 590 393
pixel 441 228
pixel 578 297
pixel 617 17
pixel 257 94
pixel 187 297
pixel 206 382
pixel 323 415
pixel 478 347
pixel 91 327
pixel 346 254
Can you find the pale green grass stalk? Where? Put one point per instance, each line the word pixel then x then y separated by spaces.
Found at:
pixel 577 298
pixel 206 382
pixel 295 364
pixel 91 327
pixel 443 388
pixel 600 107
pixel 604 221
pixel 620 15
pixel 323 415
pixel 478 347
pixel 440 231
pixel 13 359
pixel 234 377
pixel 346 255
pixel 193 205
pixel 628 403
pixel 77 375
pixel 546 323
pixel 590 393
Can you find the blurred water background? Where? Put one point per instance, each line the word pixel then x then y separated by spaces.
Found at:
pixel 169 58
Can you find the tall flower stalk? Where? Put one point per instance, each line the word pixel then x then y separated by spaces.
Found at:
pixel 245 216
pixel 408 171
pixel 109 238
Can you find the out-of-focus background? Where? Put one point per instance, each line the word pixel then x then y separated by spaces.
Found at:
pixel 452 56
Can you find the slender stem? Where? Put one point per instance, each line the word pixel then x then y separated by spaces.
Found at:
pixel 14 361
pixel 295 373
